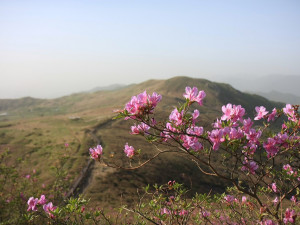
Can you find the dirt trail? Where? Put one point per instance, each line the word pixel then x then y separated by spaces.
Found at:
pixel 92 170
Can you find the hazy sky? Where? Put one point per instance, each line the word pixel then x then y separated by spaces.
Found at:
pixel 54 48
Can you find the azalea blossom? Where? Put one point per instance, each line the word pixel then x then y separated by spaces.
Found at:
pixel 261 112
pixel 129 150
pixel 140 129
pixel 271 147
pixel 290 216
pixel 165 211
pixel 193 95
pixel 227 110
pixel 142 104
pixel 191 142
pixel 244 199
pixel 289 110
pixel 49 208
pixel 250 166
pixel 183 212
pixel 195 115
pixel 96 152
pixel 216 137
pixel 294 199
pixel 32 202
pixel 42 200
pixel 230 198
pixel 288 169
pixel 268 222
pixel 274 187
pixel 176 117
pixel 272 115
pixel 275 201
pixel 247 124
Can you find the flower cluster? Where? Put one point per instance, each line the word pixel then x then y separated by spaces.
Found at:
pixel 290 112
pixel 193 95
pixel 273 145
pixel 34 202
pixel 96 152
pixel 129 151
pixel 233 112
pixel 141 128
pixel 142 104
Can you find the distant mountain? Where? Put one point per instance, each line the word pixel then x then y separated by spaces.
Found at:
pixel 172 89
pixel 287 84
pixel 107 88
pixel 281 97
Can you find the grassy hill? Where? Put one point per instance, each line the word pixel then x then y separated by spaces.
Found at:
pixel 35 131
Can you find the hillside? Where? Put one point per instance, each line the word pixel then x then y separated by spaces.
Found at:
pixel 35 130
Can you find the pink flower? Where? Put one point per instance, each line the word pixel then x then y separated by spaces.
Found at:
pixel 288 169
pixel 235 134
pixel 227 110
pixel 191 142
pixel 268 222
pixel 96 152
pixel 194 130
pixel 261 112
pixel 294 199
pixel 129 150
pixel 48 208
pixel 171 183
pixel 275 201
pixel 216 137
pixel 165 211
pixel 154 99
pixel 176 117
pixel 247 125
pixel 250 166
pixel 289 110
pixel 193 95
pixel 32 202
pixel 135 130
pixel 27 176
pixel 142 104
pixel 42 200
pixel 272 115
pixel 229 198
pixel 290 216
pixel 140 129
pixel 217 124
pixel 66 145
pixel 183 212
pixel 253 135
pixel 195 115
pixel 238 113
pixel 283 127
pixel 271 147
pixel 274 187
pixel 281 139
pixel 244 199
